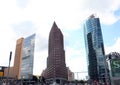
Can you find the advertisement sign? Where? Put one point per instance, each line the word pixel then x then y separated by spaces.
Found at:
pixel 115 67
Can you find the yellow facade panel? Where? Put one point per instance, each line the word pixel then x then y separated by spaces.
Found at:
pixel 1 74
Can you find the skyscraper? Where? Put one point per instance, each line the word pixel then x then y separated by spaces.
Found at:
pixel 97 69
pixel 56 66
pixel 24 56
pixel 28 57
pixel 15 70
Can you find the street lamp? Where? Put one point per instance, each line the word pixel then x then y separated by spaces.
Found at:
pixel 9 65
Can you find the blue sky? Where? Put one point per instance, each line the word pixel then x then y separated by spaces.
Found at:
pixel 21 18
pixel 111 33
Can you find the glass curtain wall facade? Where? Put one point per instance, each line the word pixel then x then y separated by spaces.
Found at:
pixel 28 57
pixel 95 49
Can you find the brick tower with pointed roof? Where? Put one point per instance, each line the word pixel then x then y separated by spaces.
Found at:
pixel 56 66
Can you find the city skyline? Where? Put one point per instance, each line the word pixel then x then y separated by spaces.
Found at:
pixel 22 18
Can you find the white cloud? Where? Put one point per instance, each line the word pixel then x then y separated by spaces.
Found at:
pixel 40 60
pixel 7 44
pixel 22 3
pixel 68 14
pixel 76 59
pixel 104 9
pixel 114 48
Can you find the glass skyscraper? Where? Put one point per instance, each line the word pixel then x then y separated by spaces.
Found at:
pixel 28 57
pixel 94 45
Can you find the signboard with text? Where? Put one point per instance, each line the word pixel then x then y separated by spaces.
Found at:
pixel 115 67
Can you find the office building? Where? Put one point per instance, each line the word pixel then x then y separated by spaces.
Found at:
pixel 56 67
pixel 23 60
pixel 97 66
pixel 14 71
pixel 70 75
pixel 28 57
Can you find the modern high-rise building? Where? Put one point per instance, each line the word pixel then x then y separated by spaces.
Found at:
pixel 28 57
pixel 14 71
pixel 24 57
pixel 56 67
pixel 70 75
pixel 97 65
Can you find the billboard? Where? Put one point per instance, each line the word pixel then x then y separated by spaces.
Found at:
pixel 115 67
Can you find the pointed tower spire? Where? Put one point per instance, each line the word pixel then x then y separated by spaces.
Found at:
pixel 54 28
pixel 54 25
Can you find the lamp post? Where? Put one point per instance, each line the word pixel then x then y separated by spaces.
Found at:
pixel 9 65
